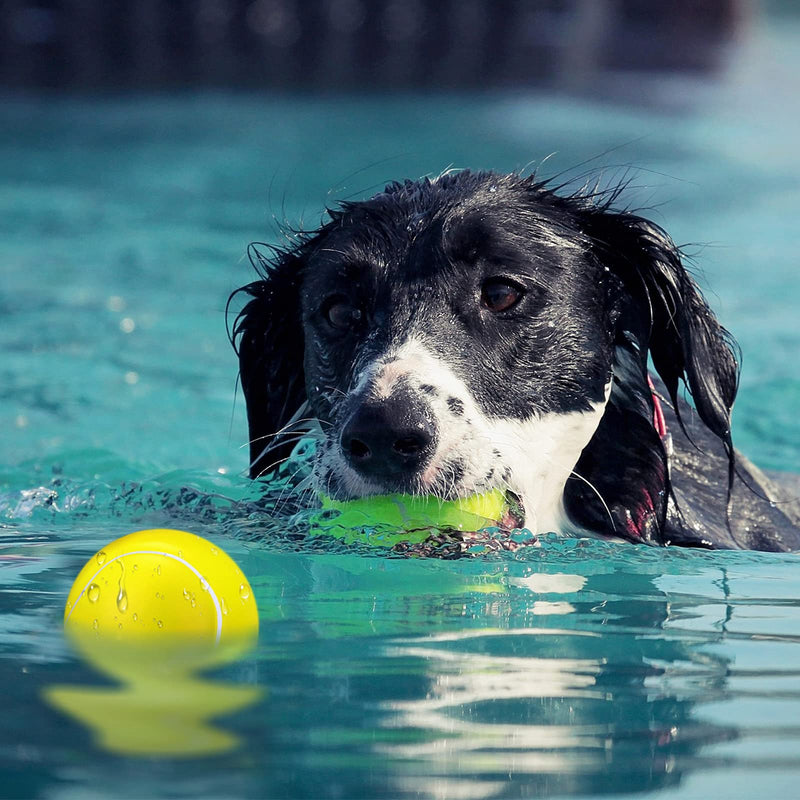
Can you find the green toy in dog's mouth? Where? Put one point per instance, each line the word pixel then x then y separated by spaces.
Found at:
pixel 402 519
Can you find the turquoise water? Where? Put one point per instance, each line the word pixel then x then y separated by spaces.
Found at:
pixel 576 669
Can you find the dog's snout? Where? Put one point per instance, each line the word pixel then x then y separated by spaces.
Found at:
pixel 391 438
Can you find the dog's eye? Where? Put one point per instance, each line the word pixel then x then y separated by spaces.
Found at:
pixel 341 313
pixel 500 294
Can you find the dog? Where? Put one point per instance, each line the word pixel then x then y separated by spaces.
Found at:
pixel 479 330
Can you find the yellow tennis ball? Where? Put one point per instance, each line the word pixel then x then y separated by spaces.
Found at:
pixel 156 585
pixel 417 512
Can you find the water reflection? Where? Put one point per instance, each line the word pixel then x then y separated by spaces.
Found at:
pixel 559 705
pixel 582 669
pixel 163 707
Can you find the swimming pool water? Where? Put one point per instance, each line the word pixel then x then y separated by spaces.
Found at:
pixel 579 668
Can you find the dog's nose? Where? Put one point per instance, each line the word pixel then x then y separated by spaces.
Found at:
pixel 391 438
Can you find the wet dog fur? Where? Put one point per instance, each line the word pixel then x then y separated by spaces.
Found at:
pixel 480 330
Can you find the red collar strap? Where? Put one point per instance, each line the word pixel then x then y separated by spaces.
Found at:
pixel 659 422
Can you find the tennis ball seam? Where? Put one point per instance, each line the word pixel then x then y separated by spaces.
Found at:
pixel 212 593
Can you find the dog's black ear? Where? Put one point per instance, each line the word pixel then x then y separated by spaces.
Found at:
pixel 268 338
pixel 619 486
pixel 663 312
pixel 622 479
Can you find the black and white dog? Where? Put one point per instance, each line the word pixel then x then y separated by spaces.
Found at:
pixel 479 330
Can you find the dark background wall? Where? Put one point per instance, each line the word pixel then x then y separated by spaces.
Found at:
pixel 356 44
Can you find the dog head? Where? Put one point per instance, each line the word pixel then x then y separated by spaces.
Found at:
pixel 480 331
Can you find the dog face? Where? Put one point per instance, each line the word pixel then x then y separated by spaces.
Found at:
pixel 454 344
pixel 474 332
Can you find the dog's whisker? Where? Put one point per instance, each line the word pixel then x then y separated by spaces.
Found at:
pixel 599 496
pixel 286 429
pixel 305 432
pixel 284 495
pixel 275 445
pixel 273 465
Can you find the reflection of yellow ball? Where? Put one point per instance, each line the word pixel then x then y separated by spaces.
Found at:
pixel 157 584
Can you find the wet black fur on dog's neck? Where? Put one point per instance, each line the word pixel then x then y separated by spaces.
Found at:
pixel 613 291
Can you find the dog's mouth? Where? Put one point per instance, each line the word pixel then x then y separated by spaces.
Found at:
pixel 506 535
pixel 514 516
